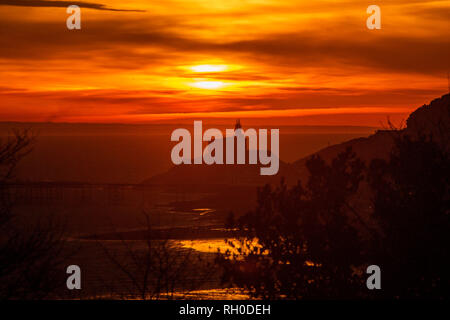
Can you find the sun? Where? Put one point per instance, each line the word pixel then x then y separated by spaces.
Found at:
pixel 209 68
pixel 211 85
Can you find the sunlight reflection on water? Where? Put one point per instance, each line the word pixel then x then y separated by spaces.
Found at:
pixel 208 246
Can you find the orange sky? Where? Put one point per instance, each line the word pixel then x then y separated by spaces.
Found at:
pixel 277 61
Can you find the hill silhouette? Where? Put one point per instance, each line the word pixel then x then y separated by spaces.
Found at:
pixel 319 239
pixel 432 119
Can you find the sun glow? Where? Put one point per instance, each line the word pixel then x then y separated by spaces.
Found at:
pixel 209 68
pixel 210 85
pixel 261 59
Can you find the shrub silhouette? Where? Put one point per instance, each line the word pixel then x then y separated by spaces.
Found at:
pixel 310 242
pixel 300 242
pixel 31 255
pixel 411 206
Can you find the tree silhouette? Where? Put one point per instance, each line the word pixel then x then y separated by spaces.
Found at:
pixel 310 242
pixel 301 242
pixel 30 255
pixel 158 270
pixel 411 206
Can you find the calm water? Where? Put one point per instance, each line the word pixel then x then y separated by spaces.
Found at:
pixel 129 154
pixel 135 158
pixel 104 279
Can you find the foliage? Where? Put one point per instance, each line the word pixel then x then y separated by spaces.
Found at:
pixel 310 242
pixel 300 242
pixel 411 205
pixel 30 256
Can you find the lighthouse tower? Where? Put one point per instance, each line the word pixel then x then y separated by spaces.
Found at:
pixel 239 131
pixel 238 125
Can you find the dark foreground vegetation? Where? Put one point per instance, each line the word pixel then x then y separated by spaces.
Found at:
pixel 315 240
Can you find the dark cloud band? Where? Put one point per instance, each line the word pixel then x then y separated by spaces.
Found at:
pixel 60 4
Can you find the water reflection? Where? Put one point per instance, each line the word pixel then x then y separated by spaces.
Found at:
pixel 207 246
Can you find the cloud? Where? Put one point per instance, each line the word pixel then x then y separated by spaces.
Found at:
pixel 141 102
pixel 60 4
pixel 122 44
pixel 433 13
pixel 137 65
